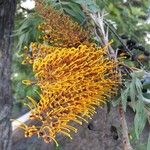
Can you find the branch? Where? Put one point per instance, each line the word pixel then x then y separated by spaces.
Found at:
pixel 16 123
pixel 101 31
pixel 27 10
pixel 126 141
pixel 120 40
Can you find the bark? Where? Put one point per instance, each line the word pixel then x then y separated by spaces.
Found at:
pixel 7 13
pixel 126 141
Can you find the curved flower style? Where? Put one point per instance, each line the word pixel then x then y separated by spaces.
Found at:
pixel 73 82
pixel 59 29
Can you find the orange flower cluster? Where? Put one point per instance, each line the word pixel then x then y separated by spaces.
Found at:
pixel 59 29
pixel 74 77
pixel 73 81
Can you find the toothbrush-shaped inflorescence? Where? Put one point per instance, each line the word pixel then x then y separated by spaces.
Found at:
pixel 74 75
pixel 59 30
pixel 73 82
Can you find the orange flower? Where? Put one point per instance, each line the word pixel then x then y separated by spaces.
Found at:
pixel 73 82
pixel 74 76
pixel 59 29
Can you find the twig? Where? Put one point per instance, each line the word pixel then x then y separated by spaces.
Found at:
pixel 126 141
pixel 101 31
pixel 27 10
pixel 16 123
pixel 120 40
pixel 17 132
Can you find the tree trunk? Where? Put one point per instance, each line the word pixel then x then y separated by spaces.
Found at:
pixel 7 13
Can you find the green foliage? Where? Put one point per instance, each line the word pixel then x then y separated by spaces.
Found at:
pixel 124 97
pixel 71 7
pixel 20 91
pixel 128 17
pixel 141 147
pixel 140 118
pixel 132 94
pixel 27 30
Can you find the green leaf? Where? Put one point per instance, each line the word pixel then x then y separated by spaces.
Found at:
pixel 144 99
pixel 140 118
pixel 146 95
pixel 141 146
pixel 124 96
pixel 146 84
pixel 137 11
pixel 27 30
pixel 79 15
pixel 133 93
pixel 91 5
pixel 138 85
pixel 138 74
pixel 148 144
pixel 132 90
pixel 116 101
pixel 74 14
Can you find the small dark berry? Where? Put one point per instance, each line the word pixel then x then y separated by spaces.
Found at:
pixel 124 36
pixel 146 53
pixel 90 126
pixel 133 58
pixel 141 48
pixel 128 99
pixel 143 17
pixel 113 129
pixel 115 137
pixel 114 132
pixel 120 47
pixel 131 42
pixel 144 90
